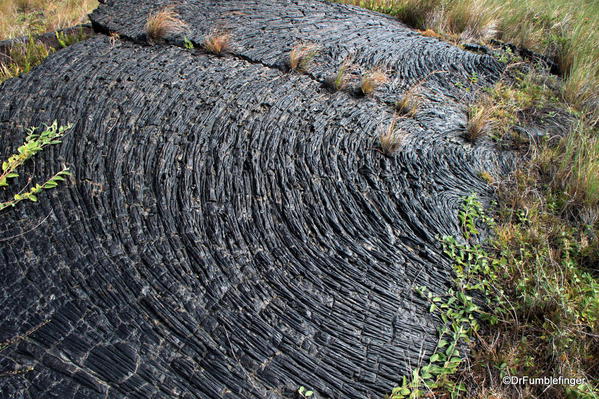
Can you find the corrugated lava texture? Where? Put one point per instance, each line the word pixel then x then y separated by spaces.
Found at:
pixel 231 229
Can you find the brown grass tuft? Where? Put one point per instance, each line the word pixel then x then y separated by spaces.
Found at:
pixel 408 104
pixel 217 42
pixel 302 55
pixel 391 140
pixel 478 122
pixel 372 81
pixel 164 22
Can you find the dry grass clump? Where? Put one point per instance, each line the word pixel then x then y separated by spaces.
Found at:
pixel 302 55
pixel 408 104
pixel 31 17
pixel 372 80
pixel 164 22
pixel 391 140
pixel 478 121
pixel 217 42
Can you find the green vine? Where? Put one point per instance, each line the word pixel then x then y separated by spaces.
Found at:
pixel 34 143
pixel 459 308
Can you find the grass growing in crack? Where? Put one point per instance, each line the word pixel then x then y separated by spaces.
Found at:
pixel 340 80
pixel 164 22
pixel 526 96
pixel 302 55
pixel 23 57
pixel 372 80
pixel 217 42
pixel 391 140
pixel 34 143
pixel 487 177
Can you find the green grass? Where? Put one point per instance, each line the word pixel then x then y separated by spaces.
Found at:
pixel 23 56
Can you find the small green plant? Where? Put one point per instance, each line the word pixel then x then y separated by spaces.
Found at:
pixel 304 393
pixel 340 80
pixel 472 212
pixel 62 40
pixel 34 143
pixel 506 56
pixel 188 44
pixel 460 85
pixel 66 39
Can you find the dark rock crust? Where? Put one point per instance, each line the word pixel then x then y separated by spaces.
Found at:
pixel 231 229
